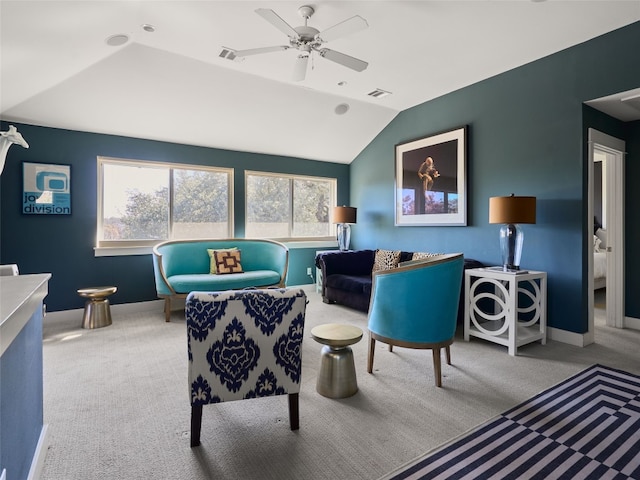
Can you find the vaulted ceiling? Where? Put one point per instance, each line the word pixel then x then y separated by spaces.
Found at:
pixel 58 70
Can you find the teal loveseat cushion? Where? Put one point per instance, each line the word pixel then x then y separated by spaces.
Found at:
pixel 232 281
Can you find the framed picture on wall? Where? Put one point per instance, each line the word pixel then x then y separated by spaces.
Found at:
pixel 46 189
pixel 431 184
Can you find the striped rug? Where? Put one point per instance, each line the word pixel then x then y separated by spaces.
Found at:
pixel 587 427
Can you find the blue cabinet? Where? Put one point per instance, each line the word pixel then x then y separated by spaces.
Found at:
pixel 21 390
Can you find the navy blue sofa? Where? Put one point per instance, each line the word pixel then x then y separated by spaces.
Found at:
pixel 347 277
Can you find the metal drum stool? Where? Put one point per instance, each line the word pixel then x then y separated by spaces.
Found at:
pixel 337 376
pixel 96 310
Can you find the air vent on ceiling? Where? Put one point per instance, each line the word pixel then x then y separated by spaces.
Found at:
pixel 378 93
pixel 229 54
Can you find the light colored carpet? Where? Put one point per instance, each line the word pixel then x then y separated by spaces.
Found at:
pixel 116 402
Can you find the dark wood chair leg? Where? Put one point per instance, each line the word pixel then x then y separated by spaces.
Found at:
pixel 196 424
pixel 437 369
pixel 167 309
pixel 372 350
pixel 447 351
pixel 294 411
pixel 390 348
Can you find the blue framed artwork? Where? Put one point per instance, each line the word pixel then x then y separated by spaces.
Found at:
pixel 46 189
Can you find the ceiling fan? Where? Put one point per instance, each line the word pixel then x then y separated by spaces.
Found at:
pixel 306 40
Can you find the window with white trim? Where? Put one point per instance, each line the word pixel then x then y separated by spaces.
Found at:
pixel 289 206
pixel 141 203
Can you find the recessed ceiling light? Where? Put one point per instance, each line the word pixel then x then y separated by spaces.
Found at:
pixel 117 40
pixel 147 27
pixel 342 109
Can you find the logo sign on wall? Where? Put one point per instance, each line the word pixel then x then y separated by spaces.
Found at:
pixel 46 189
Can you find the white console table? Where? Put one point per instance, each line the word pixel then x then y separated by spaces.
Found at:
pixel 505 308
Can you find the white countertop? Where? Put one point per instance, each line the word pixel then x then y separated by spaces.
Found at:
pixel 20 295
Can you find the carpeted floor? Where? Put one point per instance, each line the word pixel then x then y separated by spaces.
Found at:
pixel 116 402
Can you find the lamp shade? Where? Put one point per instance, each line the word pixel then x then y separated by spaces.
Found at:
pixel 512 209
pixel 344 214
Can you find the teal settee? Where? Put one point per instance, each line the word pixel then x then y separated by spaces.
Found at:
pixel 183 266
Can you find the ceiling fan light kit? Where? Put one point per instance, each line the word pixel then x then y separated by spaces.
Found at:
pixel 306 40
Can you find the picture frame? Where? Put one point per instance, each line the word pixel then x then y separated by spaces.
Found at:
pixel 46 189
pixel 430 180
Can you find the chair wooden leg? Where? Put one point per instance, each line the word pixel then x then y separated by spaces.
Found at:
pixel 390 348
pixel 447 351
pixel 167 309
pixel 294 411
pixel 437 369
pixel 196 424
pixel 372 350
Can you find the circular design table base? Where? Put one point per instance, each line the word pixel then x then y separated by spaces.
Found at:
pixel 97 313
pixel 337 376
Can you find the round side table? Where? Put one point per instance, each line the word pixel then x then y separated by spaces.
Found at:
pixel 97 313
pixel 337 376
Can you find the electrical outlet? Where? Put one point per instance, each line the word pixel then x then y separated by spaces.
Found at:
pixel 308 270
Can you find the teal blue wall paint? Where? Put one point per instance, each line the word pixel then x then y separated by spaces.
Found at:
pixel 632 225
pixel 525 137
pixel 63 245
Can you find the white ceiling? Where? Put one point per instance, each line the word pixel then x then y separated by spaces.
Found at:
pixel 171 85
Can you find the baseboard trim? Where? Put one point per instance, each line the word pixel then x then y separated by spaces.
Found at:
pixel 123 308
pixel 564 336
pixel 136 307
pixel 631 322
pixel 39 455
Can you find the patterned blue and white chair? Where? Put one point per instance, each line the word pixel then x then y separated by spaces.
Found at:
pixel 244 344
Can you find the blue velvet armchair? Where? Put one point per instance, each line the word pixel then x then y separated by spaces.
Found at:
pixel 244 345
pixel 415 306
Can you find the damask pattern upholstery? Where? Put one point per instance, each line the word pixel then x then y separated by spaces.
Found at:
pixel 242 345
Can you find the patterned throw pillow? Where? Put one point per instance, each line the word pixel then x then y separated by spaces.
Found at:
pixel 386 260
pixel 227 261
pixel 423 255
pixel 212 259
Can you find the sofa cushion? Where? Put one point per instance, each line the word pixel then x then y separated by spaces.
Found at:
pixel 386 260
pixel 352 262
pixel 350 283
pixel 213 269
pixel 423 255
pixel 228 262
pixel 232 281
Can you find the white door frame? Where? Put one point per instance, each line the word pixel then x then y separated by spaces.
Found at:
pixel 614 174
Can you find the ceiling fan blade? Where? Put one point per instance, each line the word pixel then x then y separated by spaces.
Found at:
pixel 345 60
pixel 257 51
pixel 349 26
pixel 300 68
pixel 271 17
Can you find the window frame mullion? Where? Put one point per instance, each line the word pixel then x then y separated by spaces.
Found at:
pixel 171 202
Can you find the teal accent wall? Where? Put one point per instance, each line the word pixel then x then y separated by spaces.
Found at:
pixel 526 136
pixel 64 245
pixel 632 223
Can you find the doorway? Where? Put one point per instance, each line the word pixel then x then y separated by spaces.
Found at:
pixel 606 155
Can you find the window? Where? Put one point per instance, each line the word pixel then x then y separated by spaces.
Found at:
pixel 142 203
pixel 289 206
